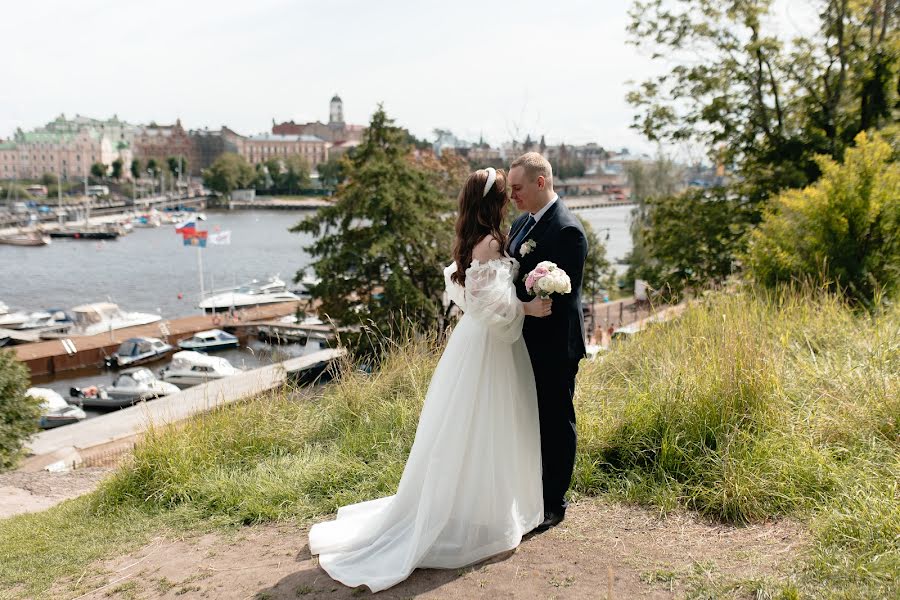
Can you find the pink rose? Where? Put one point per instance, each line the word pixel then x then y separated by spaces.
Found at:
pixel 529 282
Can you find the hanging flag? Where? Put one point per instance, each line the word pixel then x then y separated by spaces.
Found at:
pixel 221 238
pixel 188 226
pixel 195 238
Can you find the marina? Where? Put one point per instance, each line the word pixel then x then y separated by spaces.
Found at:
pixel 151 289
pixel 65 447
pixel 52 357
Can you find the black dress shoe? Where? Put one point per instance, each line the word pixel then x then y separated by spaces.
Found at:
pixel 551 519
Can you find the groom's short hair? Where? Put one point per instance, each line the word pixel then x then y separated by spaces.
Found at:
pixel 535 165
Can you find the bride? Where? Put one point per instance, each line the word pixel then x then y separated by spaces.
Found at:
pixel 472 484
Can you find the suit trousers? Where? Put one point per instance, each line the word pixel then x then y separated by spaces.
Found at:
pixel 555 390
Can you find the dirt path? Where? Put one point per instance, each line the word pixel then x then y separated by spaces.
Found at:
pixel 602 550
pixel 22 492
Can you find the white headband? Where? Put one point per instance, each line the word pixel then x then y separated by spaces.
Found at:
pixel 492 177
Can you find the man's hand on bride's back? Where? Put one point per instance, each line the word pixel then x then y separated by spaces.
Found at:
pixel 539 307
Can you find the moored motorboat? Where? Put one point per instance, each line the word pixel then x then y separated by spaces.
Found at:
pixel 193 368
pixel 139 351
pixel 12 320
pixel 55 411
pixel 210 340
pixel 104 231
pixel 151 219
pixel 129 386
pixel 25 238
pixel 286 334
pixel 100 317
pixel 251 294
pixel 51 318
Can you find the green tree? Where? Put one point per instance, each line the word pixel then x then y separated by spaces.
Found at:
pixel 261 179
pixel 843 231
pixel 661 178
pixel 691 239
pixel 152 168
pixel 566 168
pixel 136 168
pixel 229 172
pixel 19 413
pixel 98 170
pixel 177 165
pixel 331 172
pixel 117 166
pixel 766 106
pixel 273 169
pixel 380 247
pixel 295 174
pixel 596 266
pixel 49 179
pixel 447 172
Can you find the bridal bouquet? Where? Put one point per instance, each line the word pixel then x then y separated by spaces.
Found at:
pixel 546 279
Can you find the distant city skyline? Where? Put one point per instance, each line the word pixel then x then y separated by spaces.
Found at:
pixel 498 70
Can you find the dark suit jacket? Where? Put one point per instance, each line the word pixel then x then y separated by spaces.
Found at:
pixel 560 238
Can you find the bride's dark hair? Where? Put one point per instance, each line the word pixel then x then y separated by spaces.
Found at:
pixel 478 216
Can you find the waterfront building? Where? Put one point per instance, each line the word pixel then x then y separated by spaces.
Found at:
pixel 209 144
pixel 65 147
pixel 259 148
pixel 159 142
pixel 335 132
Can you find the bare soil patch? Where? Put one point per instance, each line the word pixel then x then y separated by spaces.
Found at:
pixel 22 492
pixel 601 550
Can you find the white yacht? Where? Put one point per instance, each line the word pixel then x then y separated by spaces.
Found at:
pixel 252 294
pixel 193 368
pixel 100 317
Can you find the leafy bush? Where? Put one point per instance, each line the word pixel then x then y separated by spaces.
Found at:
pixel 843 231
pixel 19 413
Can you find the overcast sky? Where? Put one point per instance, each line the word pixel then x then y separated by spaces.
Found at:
pixel 501 69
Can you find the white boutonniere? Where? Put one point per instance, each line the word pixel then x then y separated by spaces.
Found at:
pixel 527 247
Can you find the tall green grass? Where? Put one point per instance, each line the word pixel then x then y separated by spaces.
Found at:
pixel 748 407
pixel 754 406
pixel 277 457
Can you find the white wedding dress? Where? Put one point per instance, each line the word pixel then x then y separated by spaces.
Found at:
pixel 472 484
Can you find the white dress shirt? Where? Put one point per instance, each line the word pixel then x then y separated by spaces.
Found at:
pixel 537 216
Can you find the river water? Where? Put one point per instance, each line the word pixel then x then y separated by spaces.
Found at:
pixel 150 270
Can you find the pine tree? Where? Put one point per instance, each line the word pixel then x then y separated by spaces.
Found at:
pixel 381 246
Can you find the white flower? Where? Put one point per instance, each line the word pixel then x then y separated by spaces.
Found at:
pixel 527 247
pixel 546 279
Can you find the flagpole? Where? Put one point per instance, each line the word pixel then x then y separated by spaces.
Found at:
pixel 200 268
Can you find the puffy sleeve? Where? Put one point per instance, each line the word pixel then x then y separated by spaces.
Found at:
pixel 455 292
pixel 491 298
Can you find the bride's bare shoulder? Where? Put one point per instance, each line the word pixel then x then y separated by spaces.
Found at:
pixel 488 248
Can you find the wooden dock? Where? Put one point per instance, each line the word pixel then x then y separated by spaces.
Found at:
pixel 77 352
pixel 582 202
pixel 280 204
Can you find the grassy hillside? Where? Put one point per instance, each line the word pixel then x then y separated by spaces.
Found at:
pixel 747 408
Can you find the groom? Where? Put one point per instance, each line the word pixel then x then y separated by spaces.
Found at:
pixel 548 231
